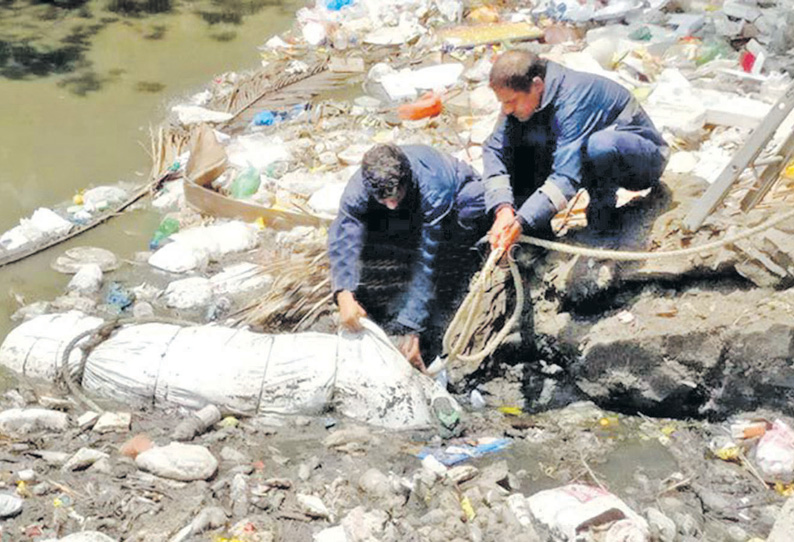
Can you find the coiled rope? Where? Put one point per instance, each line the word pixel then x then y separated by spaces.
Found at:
pixel 461 329
pixel 99 334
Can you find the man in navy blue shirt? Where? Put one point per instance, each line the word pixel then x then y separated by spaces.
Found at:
pixel 414 208
pixel 562 130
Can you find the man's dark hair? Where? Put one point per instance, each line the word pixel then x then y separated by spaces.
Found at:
pixel 515 70
pixel 383 169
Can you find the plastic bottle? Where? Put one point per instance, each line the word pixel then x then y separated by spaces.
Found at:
pixel 245 184
pixel 197 423
pixel 166 228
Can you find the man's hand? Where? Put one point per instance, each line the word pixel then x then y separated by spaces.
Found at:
pixel 505 230
pixel 409 347
pixel 349 311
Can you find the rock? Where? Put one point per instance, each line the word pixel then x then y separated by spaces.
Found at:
pixel 56 459
pixel 210 517
pixel 10 505
pixel 331 534
pixel 784 525
pixel 234 456
pixel 22 421
pixel 363 526
pixel 85 536
pixel 344 438
pixel 27 475
pixel 102 466
pixel 177 461
pixel 190 293
pixel 71 261
pixel 375 483
pixel 87 280
pixel 83 458
pixel 313 507
pixel 662 527
pixel 434 466
pixel 87 419
pixel 463 473
pixel 142 309
pixel 113 422
pixel 136 445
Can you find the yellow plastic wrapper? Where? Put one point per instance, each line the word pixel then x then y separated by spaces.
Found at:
pixel 783 489
pixel 468 509
pixel 728 453
pixel 511 410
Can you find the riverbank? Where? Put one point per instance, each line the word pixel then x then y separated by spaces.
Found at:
pixel 649 337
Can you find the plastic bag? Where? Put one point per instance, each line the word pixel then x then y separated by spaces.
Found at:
pixel 774 454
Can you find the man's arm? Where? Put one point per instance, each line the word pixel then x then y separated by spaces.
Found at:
pixel 421 290
pixel 345 243
pixel 497 160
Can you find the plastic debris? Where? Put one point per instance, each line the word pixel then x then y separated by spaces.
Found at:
pixel 460 451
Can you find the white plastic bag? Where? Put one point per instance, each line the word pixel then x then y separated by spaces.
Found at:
pixel 566 512
pixel 774 454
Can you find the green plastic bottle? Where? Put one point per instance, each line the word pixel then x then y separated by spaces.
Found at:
pixel 245 184
pixel 167 227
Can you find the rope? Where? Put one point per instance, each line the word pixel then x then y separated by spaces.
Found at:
pixel 99 334
pixel 469 308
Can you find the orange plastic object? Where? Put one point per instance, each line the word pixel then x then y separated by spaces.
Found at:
pixel 136 445
pixel 429 105
pixel 484 14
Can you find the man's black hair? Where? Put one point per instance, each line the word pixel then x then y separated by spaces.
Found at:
pixel 516 69
pixel 383 169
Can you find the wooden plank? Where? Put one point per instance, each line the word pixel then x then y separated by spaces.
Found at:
pixel 770 175
pixel 749 152
pixel 209 202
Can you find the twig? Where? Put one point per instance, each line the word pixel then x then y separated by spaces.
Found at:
pixel 676 485
pixel 590 472
pixel 752 469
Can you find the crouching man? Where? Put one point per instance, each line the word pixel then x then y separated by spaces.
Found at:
pixel 562 130
pixel 400 247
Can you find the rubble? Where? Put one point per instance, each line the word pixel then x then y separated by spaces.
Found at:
pixel 653 337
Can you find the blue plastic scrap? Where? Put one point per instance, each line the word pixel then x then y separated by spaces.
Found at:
pixel 336 5
pixel 456 453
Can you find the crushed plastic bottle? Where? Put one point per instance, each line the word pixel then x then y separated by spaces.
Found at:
pixel 166 228
pixel 245 184
pixel 197 423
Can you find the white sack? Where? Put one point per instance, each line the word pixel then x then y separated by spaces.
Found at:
pixel 35 348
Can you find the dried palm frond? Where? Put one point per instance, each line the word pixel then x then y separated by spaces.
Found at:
pixel 300 293
pixel 167 143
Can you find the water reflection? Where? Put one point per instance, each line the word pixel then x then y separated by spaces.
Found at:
pixel 77 102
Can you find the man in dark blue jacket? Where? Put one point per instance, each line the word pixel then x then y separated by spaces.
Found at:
pixel 562 130
pixel 414 208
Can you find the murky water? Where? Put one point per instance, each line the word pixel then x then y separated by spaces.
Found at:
pixel 90 126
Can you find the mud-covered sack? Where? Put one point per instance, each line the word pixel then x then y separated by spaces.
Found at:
pixel 375 384
pixel 361 375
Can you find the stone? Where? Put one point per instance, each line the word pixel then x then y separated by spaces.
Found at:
pixel 363 526
pixel 662 527
pixel 210 517
pixel 10 505
pixel 23 421
pixel 27 475
pixel 189 293
pixel 85 536
pixel 313 507
pixel 375 483
pixel 784 525
pixel 331 534
pixel 87 419
pixel 102 466
pixel 177 461
pixel 71 261
pixel 113 422
pixel 83 458
pixel 463 473
pixel 234 456
pixel 87 280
